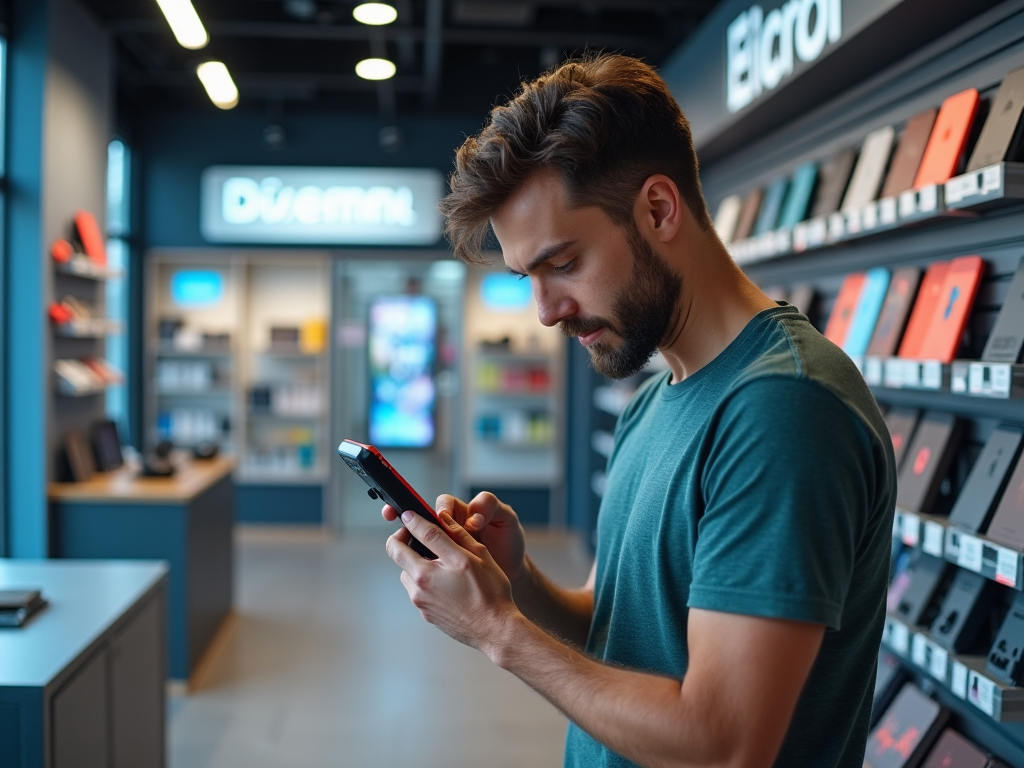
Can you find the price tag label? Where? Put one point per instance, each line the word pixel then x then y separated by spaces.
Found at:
pixel 938 662
pixel 908 204
pixel 958 680
pixel 1000 377
pixel 911 373
pixel 887 210
pixel 783 240
pixel 981 692
pixel 893 372
pixel 970 555
pixel 960 187
pixel 800 237
pixel 958 378
pixel 836 226
pixel 931 374
pixel 1007 563
pixel 869 216
pixel 816 231
pixel 934 535
pixel 952 544
pixel 928 198
pixel 992 179
pixel 910 529
pixel 873 371
pixel 919 651
pixel 899 638
pixel 976 378
pixel 853 222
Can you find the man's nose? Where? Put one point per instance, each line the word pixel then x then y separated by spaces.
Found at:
pixel 552 307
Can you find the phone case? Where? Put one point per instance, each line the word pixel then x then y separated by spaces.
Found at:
pixel 949 136
pixel 987 480
pixel 963 617
pixel 1001 135
pixel 832 179
pixel 388 485
pixel 798 198
pixel 728 217
pixel 869 304
pixel 748 214
pixel 771 205
pixel 932 450
pixel 1007 338
pixel 92 238
pixel 844 307
pixel 906 732
pixel 901 423
pixel 954 751
pixel 1007 526
pixel 928 296
pixel 954 307
pixel 892 320
pixel 907 160
pixel 870 169
pixel 929 580
pixel 1004 657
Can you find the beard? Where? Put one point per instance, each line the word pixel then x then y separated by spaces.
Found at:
pixel 643 312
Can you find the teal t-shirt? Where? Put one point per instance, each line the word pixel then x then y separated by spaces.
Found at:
pixel 764 484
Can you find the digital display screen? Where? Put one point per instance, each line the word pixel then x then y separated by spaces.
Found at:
pixel 197 288
pixel 502 292
pixel 402 346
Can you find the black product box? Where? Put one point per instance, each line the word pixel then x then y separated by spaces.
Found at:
pixel 927 461
pixel 1007 526
pixel 907 730
pixel 1007 337
pixel 1004 658
pixel 985 484
pixel 929 580
pixel 901 423
pixel 954 751
pixel 965 612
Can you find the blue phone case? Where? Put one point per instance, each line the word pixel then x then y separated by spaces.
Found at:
pixel 798 200
pixel 771 205
pixel 869 305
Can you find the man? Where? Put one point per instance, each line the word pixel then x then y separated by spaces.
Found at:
pixel 735 609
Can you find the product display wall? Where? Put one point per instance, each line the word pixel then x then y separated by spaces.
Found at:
pixel 900 233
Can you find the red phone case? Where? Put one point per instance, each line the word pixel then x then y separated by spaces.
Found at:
pixel 949 137
pixel 921 317
pixel 954 307
pixel 844 308
pixel 92 238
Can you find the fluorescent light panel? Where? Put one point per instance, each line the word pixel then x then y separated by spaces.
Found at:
pixel 185 24
pixel 374 13
pixel 375 69
pixel 218 84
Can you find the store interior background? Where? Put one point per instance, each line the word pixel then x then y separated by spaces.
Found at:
pixel 104 113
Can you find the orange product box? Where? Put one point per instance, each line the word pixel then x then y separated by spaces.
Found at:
pixel 954 307
pixel 948 140
pixel 844 307
pixel 921 316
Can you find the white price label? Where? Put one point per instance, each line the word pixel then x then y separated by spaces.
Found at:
pixel 928 198
pixel 783 241
pixel 931 374
pixel 952 544
pixel 816 231
pixel 893 372
pixel 910 529
pixel 969 556
pixel 938 663
pixel 899 638
pixel 976 378
pixel 919 651
pixel 836 226
pixel 911 373
pixel 887 210
pixel 908 203
pixel 958 680
pixel 853 221
pixel 934 535
pixel 1000 375
pixel 1006 566
pixel 992 179
pixel 873 371
pixel 800 235
pixel 981 692
pixel 958 377
pixel 869 216
pixel 960 187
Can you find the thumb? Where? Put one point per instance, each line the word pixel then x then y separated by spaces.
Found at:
pixel 457 533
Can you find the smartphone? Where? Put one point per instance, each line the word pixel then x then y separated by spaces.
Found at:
pixel 388 486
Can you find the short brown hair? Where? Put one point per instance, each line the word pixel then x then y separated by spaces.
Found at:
pixel 606 122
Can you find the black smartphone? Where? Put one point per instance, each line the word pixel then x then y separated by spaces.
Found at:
pixel 388 485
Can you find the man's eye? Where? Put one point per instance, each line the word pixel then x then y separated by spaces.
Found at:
pixel 567 267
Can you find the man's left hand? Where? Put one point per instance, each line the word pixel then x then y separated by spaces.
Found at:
pixel 463 592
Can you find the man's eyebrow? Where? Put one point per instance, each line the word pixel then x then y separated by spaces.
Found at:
pixel 547 253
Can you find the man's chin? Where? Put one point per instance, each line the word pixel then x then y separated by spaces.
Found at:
pixel 613 364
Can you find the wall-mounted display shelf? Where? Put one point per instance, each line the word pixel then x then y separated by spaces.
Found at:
pixel 971 378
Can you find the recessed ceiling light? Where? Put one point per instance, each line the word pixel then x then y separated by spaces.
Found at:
pixel 218 84
pixel 185 24
pixel 374 13
pixel 375 69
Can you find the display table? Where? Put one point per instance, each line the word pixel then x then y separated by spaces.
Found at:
pixel 83 682
pixel 186 520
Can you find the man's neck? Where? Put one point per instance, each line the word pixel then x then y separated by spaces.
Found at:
pixel 716 304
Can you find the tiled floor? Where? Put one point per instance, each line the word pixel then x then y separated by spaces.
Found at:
pixel 329 665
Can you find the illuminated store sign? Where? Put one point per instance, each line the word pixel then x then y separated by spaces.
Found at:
pixel 323 206
pixel 760 48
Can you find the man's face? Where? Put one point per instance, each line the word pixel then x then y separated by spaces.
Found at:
pixel 598 281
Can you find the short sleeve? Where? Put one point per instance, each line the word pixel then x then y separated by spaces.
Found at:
pixel 788 487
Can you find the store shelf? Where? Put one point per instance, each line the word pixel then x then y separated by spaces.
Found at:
pixel 290 354
pixel 82 267
pixel 970 378
pixel 95 328
pixel 64 392
pixel 286 416
pixel 612 399
pixel 964 676
pixel 204 352
pixel 968 550
pixel 997 184
pixel 212 392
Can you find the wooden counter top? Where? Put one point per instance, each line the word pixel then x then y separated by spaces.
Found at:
pixel 126 487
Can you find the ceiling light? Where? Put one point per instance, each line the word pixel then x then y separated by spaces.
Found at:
pixel 375 69
pixel 374 13
pixel 185 24
pixel 218 83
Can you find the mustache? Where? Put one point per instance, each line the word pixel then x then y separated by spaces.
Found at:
pixel 576 326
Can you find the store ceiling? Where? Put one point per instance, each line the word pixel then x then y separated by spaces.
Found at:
pixel 453 56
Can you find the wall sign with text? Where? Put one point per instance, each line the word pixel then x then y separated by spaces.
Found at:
pixel 321 206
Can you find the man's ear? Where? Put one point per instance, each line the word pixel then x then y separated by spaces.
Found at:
pixel 660 208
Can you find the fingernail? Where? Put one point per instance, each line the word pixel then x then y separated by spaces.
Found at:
pixel 407 516
pixel 477 520
pixel 446 518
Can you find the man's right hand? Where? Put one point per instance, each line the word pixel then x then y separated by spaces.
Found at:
pixel 495 525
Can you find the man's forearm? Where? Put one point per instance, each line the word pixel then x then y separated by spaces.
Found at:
pixel 643 717
pixel 563 612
